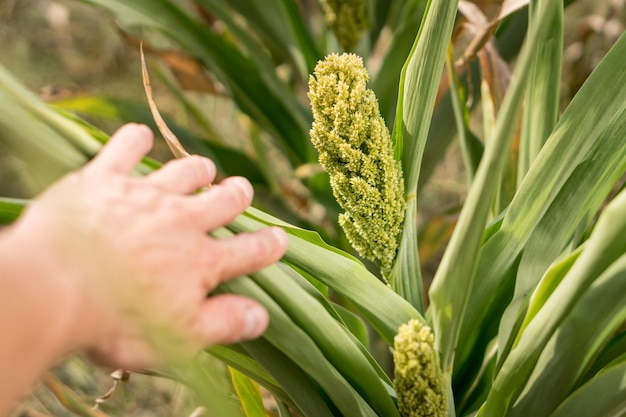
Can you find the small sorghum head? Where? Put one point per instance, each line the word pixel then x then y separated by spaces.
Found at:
pixel 347 19
pixel 419 381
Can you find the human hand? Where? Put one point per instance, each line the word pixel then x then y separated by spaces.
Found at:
pixel 134 258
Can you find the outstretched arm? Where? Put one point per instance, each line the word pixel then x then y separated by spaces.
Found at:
pixel 121 266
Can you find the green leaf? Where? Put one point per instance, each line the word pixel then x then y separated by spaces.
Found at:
pixel 450 290
pixel 613 351
pixel 549 282
pixel 586 329
pixel 297 345
pixel 605 246
pixel 354 323
pixel 235 356
pixel 542 97
pixel 331 337
pixel 603 396
pixel 471 148
pixel 574 172
pixel 260 94
pixel 45 116
pixel 540 116
pixel 385 81
pixel 306 396
pixel 249 394
pixel 419 82
pixel 382 308
pixel 36 134
pixel 406 276
pixel 281 25
pixel 229 161
pixel 208 381
pixel 10 209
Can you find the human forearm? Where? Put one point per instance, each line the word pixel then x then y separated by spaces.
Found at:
pixel 120 266
pixel 36 317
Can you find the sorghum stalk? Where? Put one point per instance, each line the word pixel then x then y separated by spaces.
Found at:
pixel 419 383
pixel 347 19
pixel 355 149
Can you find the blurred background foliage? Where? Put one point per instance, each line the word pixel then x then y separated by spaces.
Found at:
pixel 81 59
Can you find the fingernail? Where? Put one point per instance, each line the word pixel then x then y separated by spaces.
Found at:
pixel 144 131
pixel 280 236
pixel 256 322
pixel 209 165
pixel 245 186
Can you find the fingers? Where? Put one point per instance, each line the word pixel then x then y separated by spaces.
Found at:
pixel 243 254
pixel 226 319
pixel 184 175
pixel 124 150
pixel 222 203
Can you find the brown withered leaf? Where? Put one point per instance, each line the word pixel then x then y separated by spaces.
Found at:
pixel 190 74
pixel 479 26
pixel 510 6
pixel 68 398
pixel 186 69
pixel 435 235
pixel 495 71
pixel 483 28
pixel 172 141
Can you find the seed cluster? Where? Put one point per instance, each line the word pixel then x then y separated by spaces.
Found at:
pixel 419 381
pixel 347 19
pixel 355 149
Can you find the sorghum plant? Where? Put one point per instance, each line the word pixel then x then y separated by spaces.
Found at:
pixel 525 313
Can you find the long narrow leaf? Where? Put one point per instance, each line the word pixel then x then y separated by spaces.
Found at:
pixel 451 286
pixel 585 156
pixel 280 23
pixel 382 308
pixel 235 356
pixel 542 98
pixel 307 398
pixel 331 338
pixel 604 246
pixel 592 321
pixel 260 94
pixel 603 396
pixel 10 209
pixel 419 83
pixel 249 394
pixel 296 344
pixel 471 148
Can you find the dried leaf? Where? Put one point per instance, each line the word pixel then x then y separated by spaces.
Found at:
pixel 435 235
pixel 479 25
pixel 473 14
pixel 172 141
pixel 69 399
pixel 510 6
pixel 495 73
pixel 187 70
pixel 482 28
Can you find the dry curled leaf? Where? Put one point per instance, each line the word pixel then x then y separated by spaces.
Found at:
pixel 187 70
pixel 510 6
pixel 483 28
pixel 172 141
